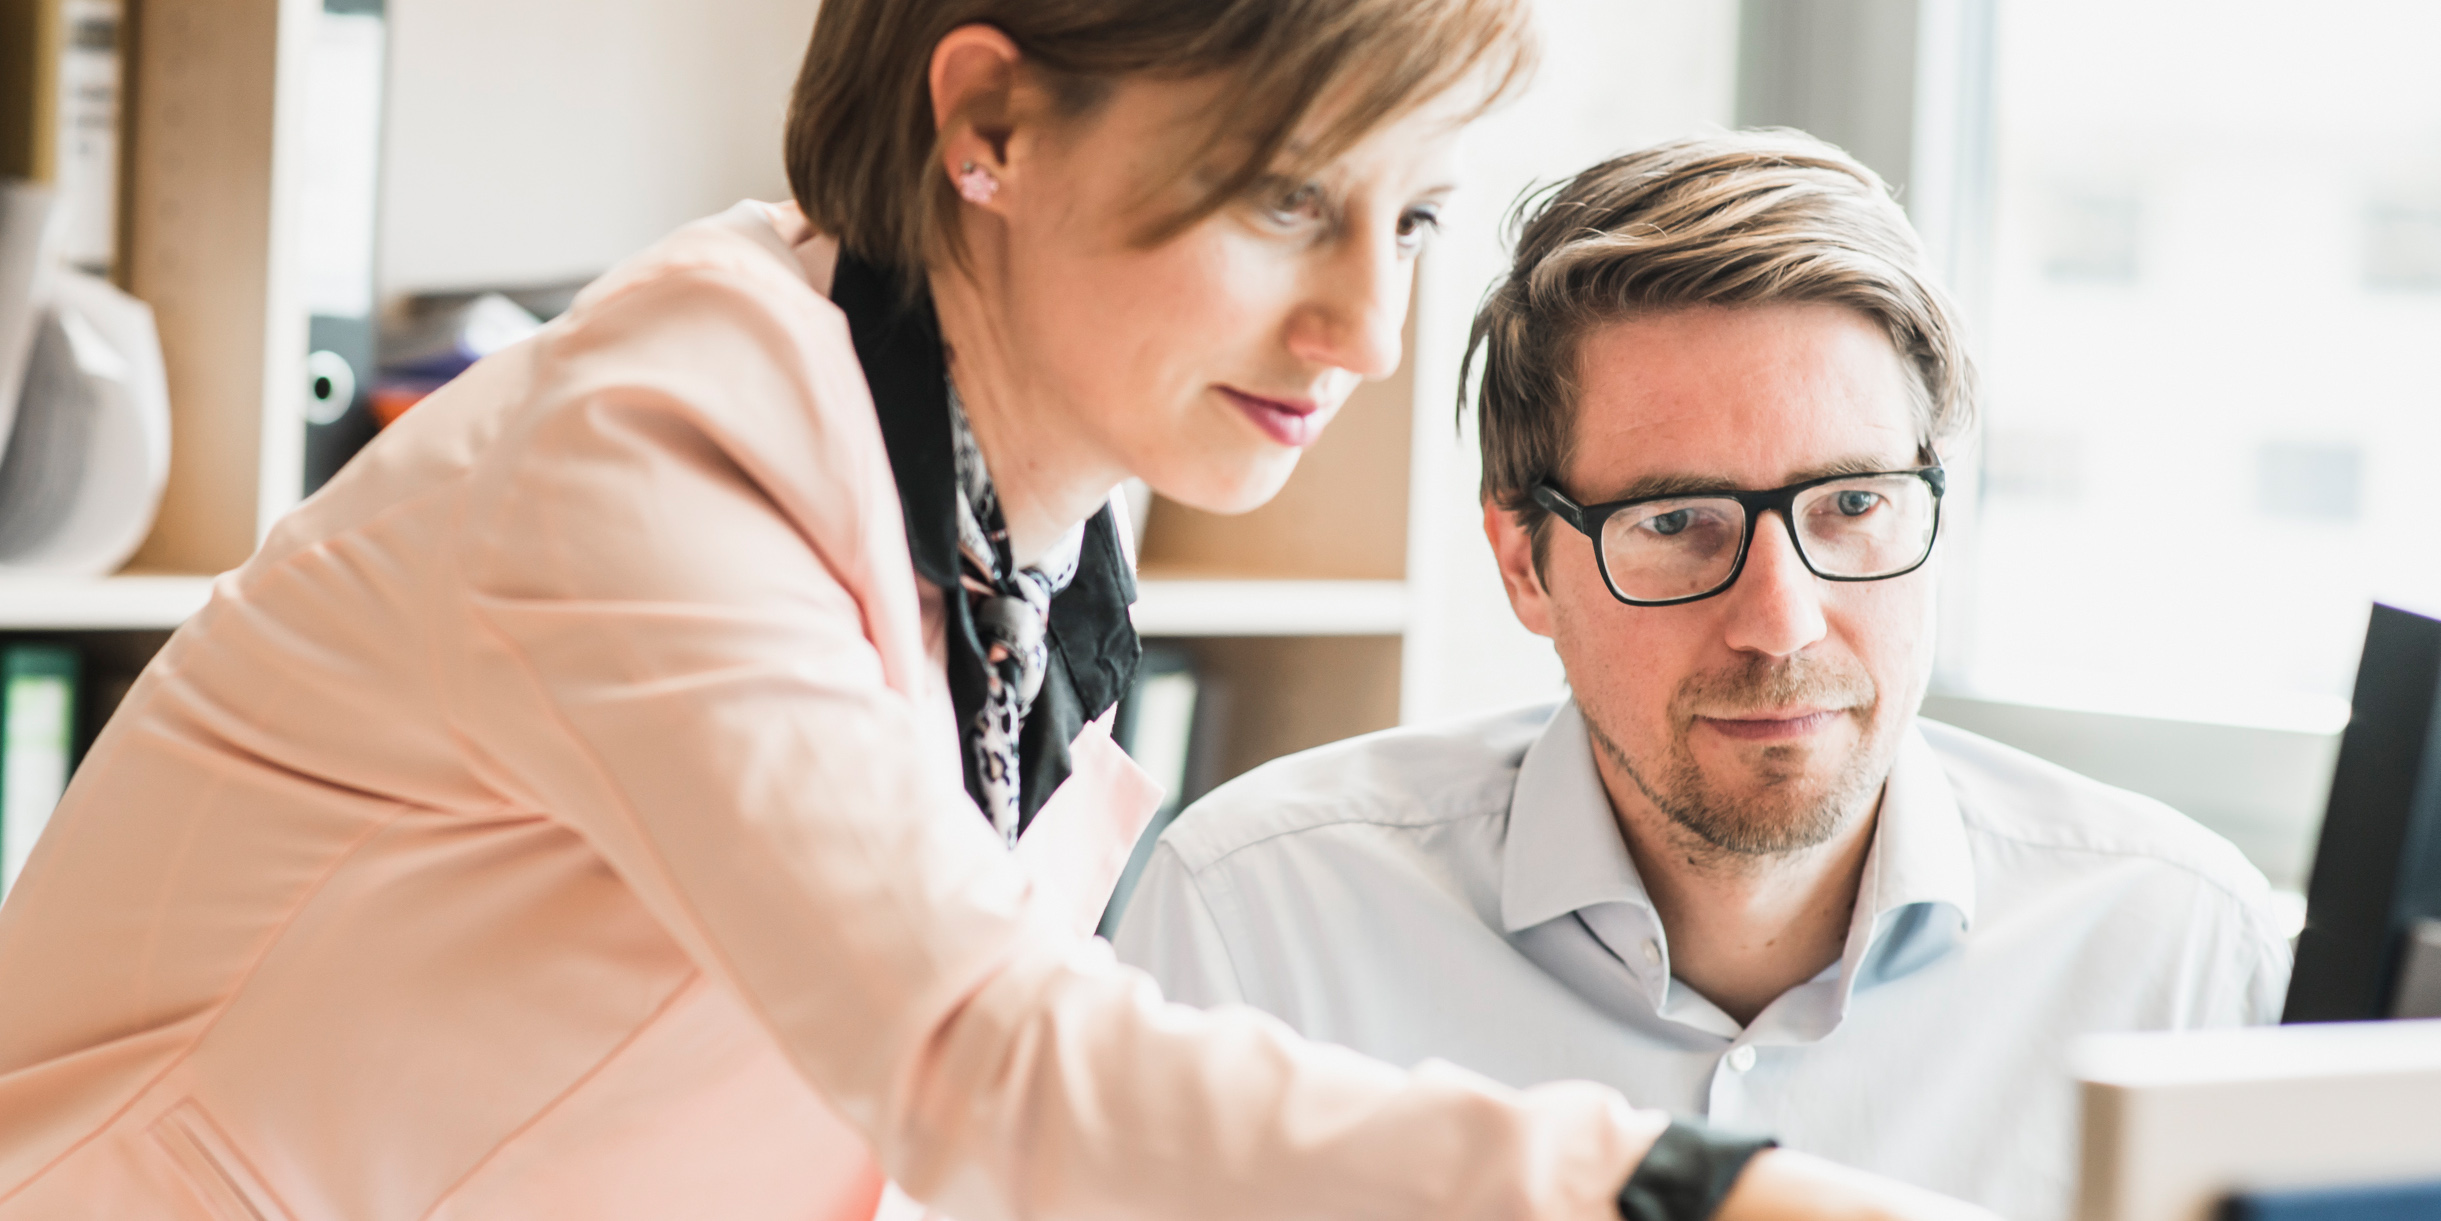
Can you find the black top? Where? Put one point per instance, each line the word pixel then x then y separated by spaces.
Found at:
pixel 1092 645
pixel 2377 868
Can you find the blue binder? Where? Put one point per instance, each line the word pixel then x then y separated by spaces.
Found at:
pixel 2389 1202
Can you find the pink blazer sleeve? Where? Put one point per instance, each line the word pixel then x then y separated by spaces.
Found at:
pixel 686 603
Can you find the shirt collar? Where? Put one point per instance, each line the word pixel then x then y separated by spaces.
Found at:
pixel 1917 897
pixel 1564 854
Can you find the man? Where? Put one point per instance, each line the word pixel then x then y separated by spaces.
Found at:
pixel 1734 874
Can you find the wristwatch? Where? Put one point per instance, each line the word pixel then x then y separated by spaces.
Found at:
pixel 1688 1172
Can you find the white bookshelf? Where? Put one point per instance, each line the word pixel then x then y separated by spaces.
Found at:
pixel 210 174
pixel 1167 607
pixel 127 602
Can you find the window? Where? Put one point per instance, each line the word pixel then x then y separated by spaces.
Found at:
pixel 2209 327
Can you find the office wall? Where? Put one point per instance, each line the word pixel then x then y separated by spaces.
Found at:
pixel 535 140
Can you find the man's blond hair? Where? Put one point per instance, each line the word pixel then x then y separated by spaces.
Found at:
pixel 1745 218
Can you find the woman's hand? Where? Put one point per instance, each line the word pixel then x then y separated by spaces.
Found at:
pixel 1784 1185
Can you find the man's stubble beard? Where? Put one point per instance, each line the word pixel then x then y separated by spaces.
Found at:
pixel 1786 815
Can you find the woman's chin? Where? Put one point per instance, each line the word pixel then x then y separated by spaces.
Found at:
pixel 1241 485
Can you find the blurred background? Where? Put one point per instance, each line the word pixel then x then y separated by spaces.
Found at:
pixel 2198 243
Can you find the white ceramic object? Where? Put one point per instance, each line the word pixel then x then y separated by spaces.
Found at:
pixel 82 473
pixel 27 233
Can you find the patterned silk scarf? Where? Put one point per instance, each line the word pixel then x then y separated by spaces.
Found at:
pixel 1012 610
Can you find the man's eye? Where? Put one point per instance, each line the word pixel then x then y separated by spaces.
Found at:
pixel 1667 524
pixel 1856 503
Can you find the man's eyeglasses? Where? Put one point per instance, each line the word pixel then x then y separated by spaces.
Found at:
pixel 1664 550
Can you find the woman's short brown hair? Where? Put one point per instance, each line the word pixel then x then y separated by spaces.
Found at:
pixel 1744 218
pixel 863 144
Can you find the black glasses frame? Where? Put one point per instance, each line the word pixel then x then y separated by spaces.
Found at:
pixel 1588 520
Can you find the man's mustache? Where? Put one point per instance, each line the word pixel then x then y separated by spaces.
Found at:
pixel 1763 684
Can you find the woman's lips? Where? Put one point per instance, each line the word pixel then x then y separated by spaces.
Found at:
pixel 1773 727
pixel 1293 423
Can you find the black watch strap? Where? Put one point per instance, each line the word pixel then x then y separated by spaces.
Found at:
pixel 1687 1173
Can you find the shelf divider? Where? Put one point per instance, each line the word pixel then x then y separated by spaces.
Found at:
pixel 1205 606
pixel 129 602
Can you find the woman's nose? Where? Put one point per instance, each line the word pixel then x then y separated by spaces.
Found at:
pixel 1356 310
pixel 1775 608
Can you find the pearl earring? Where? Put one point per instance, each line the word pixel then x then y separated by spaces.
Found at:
pixel 976 184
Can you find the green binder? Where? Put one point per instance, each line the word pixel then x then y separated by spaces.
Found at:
pixel 37 738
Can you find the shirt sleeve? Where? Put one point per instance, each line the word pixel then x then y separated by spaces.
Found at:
pixel 2268 957
pixel 675 645
pixel 2237 957
pixel 1169 931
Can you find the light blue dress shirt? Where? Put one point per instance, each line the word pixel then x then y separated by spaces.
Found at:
pixel 1462 893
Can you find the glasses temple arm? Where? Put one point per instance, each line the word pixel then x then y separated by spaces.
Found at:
pixel 1557 502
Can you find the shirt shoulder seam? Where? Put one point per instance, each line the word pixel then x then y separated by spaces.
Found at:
pixel 2147 848
pixel 2209 877
pixel 1220 932
pixel 1325 822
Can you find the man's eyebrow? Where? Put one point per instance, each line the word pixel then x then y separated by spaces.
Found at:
pixel 1651 486
pixel 1854 464
pixel 1689 484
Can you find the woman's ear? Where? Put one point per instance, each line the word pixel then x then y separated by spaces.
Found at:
pixel 1513 550
pixel 974 79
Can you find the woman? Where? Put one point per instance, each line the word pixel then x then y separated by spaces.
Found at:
pixel 597 802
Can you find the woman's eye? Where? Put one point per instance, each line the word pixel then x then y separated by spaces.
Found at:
pixel 1417 226
pixel 1298 205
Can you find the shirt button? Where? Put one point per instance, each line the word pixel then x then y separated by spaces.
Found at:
pixel 1652 952
pixel 1741 1059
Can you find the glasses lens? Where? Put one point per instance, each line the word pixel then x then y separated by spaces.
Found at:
pixel 1870 526
pixel 1668 549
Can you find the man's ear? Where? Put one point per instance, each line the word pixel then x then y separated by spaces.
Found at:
pixel 1513 549
pixel 974 84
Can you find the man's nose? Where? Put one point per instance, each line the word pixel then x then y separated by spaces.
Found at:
pixel 1355 309
pixel 1775 608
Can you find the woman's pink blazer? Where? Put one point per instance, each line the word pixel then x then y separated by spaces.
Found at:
pixel 560 816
